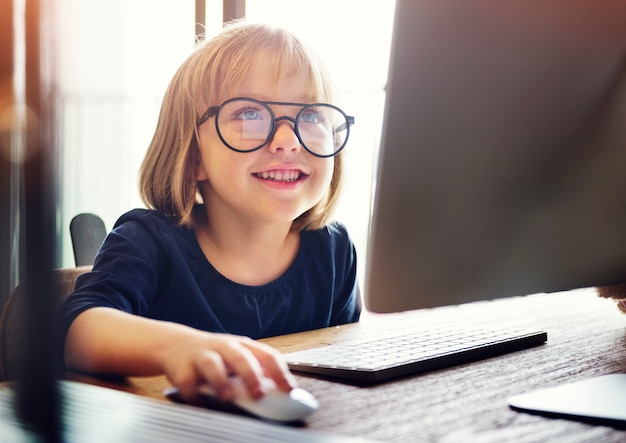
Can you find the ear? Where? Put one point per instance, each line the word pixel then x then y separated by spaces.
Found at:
pixel 201 174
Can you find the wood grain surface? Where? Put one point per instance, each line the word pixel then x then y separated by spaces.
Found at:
pixel 467 403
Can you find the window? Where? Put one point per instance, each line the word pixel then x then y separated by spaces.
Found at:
pixel 116 59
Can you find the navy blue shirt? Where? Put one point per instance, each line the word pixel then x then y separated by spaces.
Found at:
pixel 152 267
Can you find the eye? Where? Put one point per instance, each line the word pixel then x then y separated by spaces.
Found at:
pixel 248 113
pixel 311 116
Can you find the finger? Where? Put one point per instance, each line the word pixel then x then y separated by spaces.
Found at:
pixel 212 370
pixel 232 356
pixel 187 385
pixel 245 364
pixel 273 365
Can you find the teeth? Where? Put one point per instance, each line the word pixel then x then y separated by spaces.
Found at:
pixel 286 176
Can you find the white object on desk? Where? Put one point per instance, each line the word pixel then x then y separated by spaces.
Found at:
pixel 600 399
pixel 274 405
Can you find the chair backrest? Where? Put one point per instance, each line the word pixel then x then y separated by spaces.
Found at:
pixel 10 327
pixel 88 232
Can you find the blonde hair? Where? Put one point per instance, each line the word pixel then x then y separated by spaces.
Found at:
pixel 167 177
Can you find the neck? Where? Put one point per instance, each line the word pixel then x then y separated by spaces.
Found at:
pixel 250 255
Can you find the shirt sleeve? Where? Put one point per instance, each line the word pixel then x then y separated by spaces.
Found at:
pixel 131 264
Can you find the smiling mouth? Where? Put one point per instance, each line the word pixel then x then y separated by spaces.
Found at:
pixel 281 176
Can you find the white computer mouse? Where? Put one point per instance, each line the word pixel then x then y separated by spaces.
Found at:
pixel 274 405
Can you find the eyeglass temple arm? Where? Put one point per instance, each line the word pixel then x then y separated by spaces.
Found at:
pixel 344 126
pixel 207 115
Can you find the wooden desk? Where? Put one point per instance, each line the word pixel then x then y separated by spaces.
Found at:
pixel 586 338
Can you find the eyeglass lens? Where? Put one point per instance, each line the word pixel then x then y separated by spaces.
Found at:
pixel 247 125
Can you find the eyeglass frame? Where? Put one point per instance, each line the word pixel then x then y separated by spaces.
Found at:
pixel 213 111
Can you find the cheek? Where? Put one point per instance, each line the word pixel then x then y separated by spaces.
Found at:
pixel 209 147
pixel 325 173
pixel 216 165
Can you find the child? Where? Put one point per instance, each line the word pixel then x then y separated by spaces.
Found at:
pixel 241 177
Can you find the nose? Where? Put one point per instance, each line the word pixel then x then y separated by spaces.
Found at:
pixel 284 137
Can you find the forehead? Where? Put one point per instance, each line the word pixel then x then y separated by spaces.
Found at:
pixel 272 78
pixel 293 88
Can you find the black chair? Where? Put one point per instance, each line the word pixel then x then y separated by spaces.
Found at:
pixel 88 232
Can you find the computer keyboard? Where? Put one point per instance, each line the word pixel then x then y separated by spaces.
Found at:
pixel 377 360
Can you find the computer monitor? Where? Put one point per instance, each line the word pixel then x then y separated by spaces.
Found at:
pixel 502 168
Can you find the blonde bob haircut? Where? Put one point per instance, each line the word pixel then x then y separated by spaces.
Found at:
pixel 167 178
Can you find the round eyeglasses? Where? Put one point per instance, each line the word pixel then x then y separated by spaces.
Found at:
pixel 246 124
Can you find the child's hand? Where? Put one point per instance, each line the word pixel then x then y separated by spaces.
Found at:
pixel 108 341
pixel 210 358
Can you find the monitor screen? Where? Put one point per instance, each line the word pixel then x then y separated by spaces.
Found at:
pixel 502 167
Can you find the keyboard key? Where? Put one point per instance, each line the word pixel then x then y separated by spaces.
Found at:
pixel 382 359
